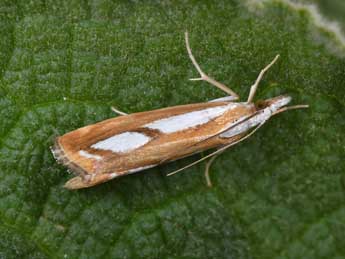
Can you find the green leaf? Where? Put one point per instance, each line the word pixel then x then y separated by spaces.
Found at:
pixel 64 63
pixel 333 10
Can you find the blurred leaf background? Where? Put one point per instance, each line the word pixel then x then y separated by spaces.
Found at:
pixel 334 9
pixel 278 195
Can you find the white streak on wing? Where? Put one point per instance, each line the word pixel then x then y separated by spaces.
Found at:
pixel 134 170
pixel 123 142
pixel 131 171
pixel 113 175
pixel 86 154
pixel 190 119
pixel 263 116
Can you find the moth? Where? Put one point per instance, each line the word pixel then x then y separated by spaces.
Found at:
pixel 131 143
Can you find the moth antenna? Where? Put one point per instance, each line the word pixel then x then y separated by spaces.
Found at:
pixel 255 85
pixel 204 76
pixel 218 151
pixel 118 111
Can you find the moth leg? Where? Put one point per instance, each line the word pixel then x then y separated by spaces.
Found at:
pixel 203 76
pixel 118 111
pixel 255 85
pixel 207 170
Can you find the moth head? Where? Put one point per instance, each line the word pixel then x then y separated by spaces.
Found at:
pixel 274 103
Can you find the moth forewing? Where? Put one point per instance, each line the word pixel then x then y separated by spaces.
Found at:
pixel 113 151
pixel 131 143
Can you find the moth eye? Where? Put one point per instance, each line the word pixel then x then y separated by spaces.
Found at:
pixel 261 104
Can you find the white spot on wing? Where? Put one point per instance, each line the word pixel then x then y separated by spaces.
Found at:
pixel 123 142
pixel 86 154
pixel 190 119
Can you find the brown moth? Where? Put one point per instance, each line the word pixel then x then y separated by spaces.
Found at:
pixel 131 143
